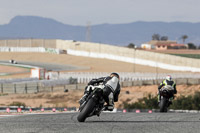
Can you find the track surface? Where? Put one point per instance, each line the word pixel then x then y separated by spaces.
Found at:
pixel 106 123
pixel 50 66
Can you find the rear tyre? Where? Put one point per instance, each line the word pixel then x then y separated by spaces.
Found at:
pixel 163 105
pixel 89 107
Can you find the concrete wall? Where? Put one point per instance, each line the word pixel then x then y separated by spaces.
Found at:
pixel 103 48
pixel 122 51
pixel 46 43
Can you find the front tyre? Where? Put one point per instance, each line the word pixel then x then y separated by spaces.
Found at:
pixel 89 107
pixel 163 105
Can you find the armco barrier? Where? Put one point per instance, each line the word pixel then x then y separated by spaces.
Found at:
pixel 24 88
pixel 127 83
pixel 193 81
pixel 181 81
pixel 137 83
pixel 148 82
pixel 81 86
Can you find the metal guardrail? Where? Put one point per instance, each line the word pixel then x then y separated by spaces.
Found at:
pixel 58 85
pixel 85 77
pixel 67 81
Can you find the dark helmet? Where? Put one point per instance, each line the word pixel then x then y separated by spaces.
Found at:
pixel 115 74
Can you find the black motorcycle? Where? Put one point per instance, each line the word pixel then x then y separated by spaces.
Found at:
pixel 166 93
pixel 93 105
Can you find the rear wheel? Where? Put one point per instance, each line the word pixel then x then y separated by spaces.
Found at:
pixel 163 105
pixel 89 107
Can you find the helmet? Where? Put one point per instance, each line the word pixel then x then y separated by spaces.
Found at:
pixel 115 74
pixel 168 77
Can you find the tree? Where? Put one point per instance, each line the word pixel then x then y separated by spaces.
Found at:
pixel 156 37
pixel 184 37
pixel 164 38
pixel 131 45
pixel 191 46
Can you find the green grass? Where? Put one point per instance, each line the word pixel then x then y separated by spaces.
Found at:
pixel 196 56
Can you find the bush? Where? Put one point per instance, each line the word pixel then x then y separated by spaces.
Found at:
pixel 17 104
pixel 191 102
pixel 149 102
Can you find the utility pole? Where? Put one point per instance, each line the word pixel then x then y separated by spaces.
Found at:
pixel 88 32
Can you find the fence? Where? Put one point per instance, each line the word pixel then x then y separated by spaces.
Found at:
pixel 36 87
pixel 85 77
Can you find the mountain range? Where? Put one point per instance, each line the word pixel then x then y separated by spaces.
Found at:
pixel 22 27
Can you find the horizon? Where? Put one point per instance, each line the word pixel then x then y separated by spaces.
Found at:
pixel 141 35
pixel 102 23
pixel 74 12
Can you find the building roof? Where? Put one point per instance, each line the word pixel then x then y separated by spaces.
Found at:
pixel 156 42
pixel 179 45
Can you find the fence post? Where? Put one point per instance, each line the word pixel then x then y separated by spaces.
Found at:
pixel 51 88
pixel 15 91
pixel 26 88
pixel 37 88
pixel 1 88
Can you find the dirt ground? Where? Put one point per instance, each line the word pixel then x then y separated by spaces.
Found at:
pixel 11 69
pixel 70 99
pixel 95 65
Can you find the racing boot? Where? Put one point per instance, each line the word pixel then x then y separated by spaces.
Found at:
pixel 110 104
pixel 109 107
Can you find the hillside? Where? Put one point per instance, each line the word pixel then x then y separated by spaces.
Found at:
pixel 116 34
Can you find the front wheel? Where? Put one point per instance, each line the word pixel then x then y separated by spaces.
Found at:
pixel 89 107
pixel 163 105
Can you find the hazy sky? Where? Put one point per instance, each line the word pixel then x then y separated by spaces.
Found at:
pixel 80 12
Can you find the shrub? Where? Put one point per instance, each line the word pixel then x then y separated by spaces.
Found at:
pixel 149 102
pixel 15 103
pixel 191 102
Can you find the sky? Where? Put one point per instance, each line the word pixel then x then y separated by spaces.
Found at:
pixel 82 12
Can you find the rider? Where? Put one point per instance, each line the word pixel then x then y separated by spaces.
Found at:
pixel 168 81
pixel 111 89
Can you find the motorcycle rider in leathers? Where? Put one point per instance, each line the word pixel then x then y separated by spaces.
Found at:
pixel 168 81
pixel 111 89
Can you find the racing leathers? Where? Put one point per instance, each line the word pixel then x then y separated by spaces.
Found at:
pixel 165 83
pixel 111 89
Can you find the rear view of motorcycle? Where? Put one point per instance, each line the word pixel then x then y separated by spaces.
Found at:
pixel 166 93
pixel 93 105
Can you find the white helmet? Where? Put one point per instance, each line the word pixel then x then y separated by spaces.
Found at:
pixel 168 77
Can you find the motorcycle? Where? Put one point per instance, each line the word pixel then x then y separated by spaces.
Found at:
pixel 166 93
pixel 93 105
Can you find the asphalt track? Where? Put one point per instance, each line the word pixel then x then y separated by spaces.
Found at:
pixel 49 66
pixel 106 123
